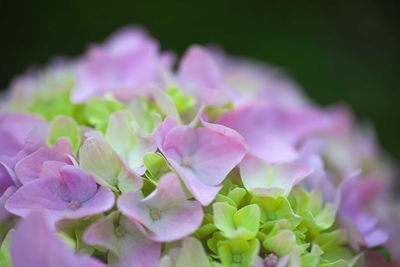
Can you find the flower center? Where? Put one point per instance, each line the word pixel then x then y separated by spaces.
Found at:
pixel 237 258
pixel 74 204
pixel 187 162
pixel 155 214
pixel 271 260
pixel 119 231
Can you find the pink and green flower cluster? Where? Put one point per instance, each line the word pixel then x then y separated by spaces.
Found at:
pixel 126 157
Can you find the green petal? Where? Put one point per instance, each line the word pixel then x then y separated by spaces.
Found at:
pixel 312 259
pixel 181 101
pixel 237 195
pixel 326 217
pixel 223 217
pixel 192 254
pixel 156 165
pixel 282 243
pixel 166 261
pixel 144 116
pixel 225 199
pixel 97 157
pixel 275 209
pixel 165 103
pixel 97 111
pixel 238 252
pixel 205 231
pixel 5 258
pixel 327 240
pixel 63 126
pixel 58 104
pixel 120 133
pixel 248 218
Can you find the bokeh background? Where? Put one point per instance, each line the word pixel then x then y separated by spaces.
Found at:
pixel 339 51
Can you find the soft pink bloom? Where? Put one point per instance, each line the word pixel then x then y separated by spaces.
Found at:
pixel 362 226
pixel 127 245
pixel 200 75
pixel 166 214
pixel 202 157
pixel 124 66
pixel 44 162
pixel 34 244
pixel 249 80
pixel 272 132
pixel 73 194
pixel 20 134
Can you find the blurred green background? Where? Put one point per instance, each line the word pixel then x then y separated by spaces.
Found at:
pixel 339 51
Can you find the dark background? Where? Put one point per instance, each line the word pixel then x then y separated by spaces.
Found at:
pixel 339 51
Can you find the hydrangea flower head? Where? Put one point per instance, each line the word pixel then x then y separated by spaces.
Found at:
pixel 118 158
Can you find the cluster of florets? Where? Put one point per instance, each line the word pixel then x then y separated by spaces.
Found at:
pixel 124 158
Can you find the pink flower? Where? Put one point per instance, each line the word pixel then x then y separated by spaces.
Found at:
pixel 202 157
pixel 34 244
pixel 127 245
pixel 124 66
pixel 166 214
pixel 44 162
pixel 362 226
pixel 71 195
pixel 200 76
pixel 272 132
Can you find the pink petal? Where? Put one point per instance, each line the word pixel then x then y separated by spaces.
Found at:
pixel 5 178
pixel 51 169
pixel 202 157
pixel 34 244
pixel 14 128
pixel 45 195
pixel 176 216
pixel 101 202
pixel 37 195
pixel 76 184
pixel 204 193
pixel 29 168
pixel 163 129
pixel 129 247
pixel 210 154
pixel 4 214
pixel 376 238
pixel 124 66
pixel 253 122
pixel 168 191
pixel 198 68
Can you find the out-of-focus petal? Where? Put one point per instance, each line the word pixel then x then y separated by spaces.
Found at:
pixel 34 244
pixel 127 244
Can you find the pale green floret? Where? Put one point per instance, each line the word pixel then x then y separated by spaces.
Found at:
pixel 182 102
pixel 298 230
pixel 156 166
pixel 238 252
pixel 166 104
pixel 310 207
pixel 192 254
pixel 58 104
pixel 96 112
pixel 283 241
pixel 63 126
pixel 5 259
pixel 146 114
pixel 243 223
pixel 99 158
